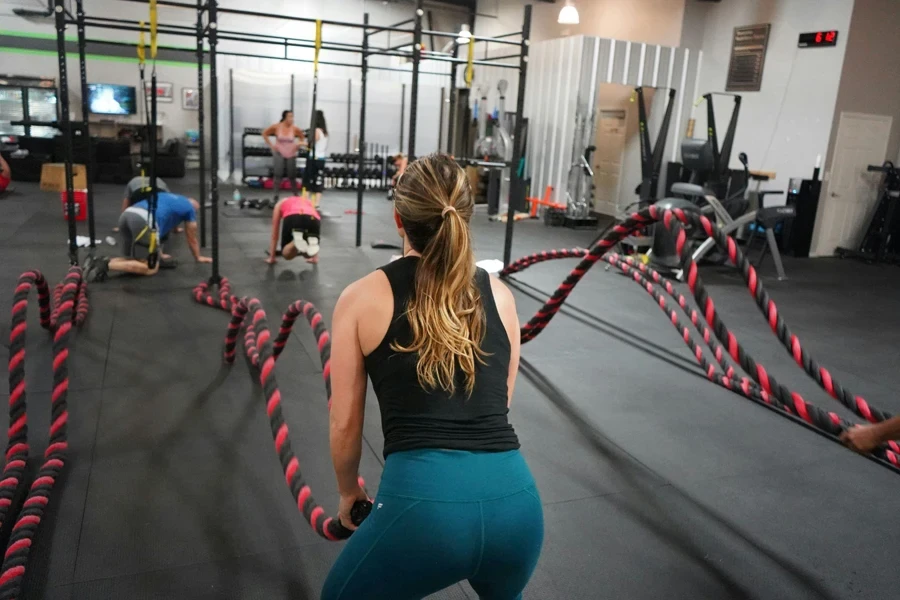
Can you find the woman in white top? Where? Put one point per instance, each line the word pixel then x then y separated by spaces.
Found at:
pixel 314 182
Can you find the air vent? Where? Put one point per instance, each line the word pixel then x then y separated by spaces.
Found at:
pixel 748 56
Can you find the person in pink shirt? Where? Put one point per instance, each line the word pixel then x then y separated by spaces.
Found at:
pixel 288 140
pixel 299 225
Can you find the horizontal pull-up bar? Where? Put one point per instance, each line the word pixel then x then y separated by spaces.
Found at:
pixel 390 27
pixel 232 36
pixel 478 38
pixel 322 62
pixel 281 39
pixel 253 13
pixel 169 3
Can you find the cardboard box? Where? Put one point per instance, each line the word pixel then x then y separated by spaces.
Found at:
pixel 53 177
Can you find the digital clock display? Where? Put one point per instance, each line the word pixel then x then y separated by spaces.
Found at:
pixel 818 38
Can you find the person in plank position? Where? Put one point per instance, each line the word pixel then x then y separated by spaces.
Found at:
pixel 298 225
pixel 136 190
pixel 135 237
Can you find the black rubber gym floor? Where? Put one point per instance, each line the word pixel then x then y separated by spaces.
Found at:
pixel 656 483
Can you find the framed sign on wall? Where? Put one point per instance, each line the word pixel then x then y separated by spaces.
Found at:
pixel 164 91
pixel 190 99
pixel 748 56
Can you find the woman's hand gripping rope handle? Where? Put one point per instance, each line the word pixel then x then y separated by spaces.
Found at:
pixel 262 351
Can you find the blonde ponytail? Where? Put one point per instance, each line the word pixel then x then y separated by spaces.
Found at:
pixel 434 201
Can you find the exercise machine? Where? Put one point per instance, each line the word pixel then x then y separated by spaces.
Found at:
pixel 881 243
pixel 730 215
pixel 651 156
pixel 707 162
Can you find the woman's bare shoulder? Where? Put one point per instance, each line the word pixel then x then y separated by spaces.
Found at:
pixel 367 291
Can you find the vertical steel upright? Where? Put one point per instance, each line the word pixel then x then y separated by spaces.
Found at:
pixel 85 127
pixel 441 120
pixel 59 9
pixel 517 183
pixel 201 125
pixel 212 7
pixel 414 89
pixel 360 186
pixel 451 110
pixel 231 121
pixel 350 99
pixel 402 115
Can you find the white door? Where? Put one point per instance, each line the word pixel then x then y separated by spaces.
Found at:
pixel 608 160
pixel 851 193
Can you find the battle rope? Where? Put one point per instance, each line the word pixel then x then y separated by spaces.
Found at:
pixel 769 391
pixel 262 352
pixel 675 219
pixel 69 308
pixel 826 421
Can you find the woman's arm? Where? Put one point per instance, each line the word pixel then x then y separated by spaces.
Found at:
pixel 348 395
pixel 276 223
pixel 269 132
pixel 506 306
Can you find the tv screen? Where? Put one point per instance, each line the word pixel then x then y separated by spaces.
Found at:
pixel 108 99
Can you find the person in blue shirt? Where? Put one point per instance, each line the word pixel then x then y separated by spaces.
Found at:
pixel 134 236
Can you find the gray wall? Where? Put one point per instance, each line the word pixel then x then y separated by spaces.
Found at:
pixel 870 78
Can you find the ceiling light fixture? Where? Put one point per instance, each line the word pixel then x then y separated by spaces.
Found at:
pixel 568 15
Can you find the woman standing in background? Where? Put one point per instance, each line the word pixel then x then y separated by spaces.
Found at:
pixel 288 140
pixel 313 182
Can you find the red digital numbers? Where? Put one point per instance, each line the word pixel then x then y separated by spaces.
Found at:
pixel 818 37
pixel 830 36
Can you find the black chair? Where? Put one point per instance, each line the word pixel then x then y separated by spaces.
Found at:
pixel 170 159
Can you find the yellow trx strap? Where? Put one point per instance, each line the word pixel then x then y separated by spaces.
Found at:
pixel 153 26
pixel 469 74
pixel 142 42
pixel 318 45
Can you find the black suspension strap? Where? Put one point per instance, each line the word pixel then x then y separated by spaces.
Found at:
pixel 153 250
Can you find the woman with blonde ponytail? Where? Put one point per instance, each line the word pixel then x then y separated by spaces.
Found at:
pixel 439 339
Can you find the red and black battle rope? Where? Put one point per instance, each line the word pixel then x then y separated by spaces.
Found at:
pixel 792 401
pixel 674 220
pixel 262 352
pixel 70 308
pixel 828 422
pixel 539 257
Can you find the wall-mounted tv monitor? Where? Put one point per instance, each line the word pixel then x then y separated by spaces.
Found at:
pixel 108 99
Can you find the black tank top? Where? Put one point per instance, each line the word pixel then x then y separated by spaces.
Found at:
pixel 413 417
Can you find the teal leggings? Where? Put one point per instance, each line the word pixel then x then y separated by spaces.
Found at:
pixel 442 517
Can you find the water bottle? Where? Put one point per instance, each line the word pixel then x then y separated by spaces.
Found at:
pixel 236 197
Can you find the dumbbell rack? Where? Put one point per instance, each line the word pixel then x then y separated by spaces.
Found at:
pixel 342 170
pixel 261 150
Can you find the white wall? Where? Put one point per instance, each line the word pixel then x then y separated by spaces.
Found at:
pixel 786 125
pixel 171 116
pixel 382 124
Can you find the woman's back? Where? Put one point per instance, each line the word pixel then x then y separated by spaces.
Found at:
pixel 414 417
pixel 439 340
